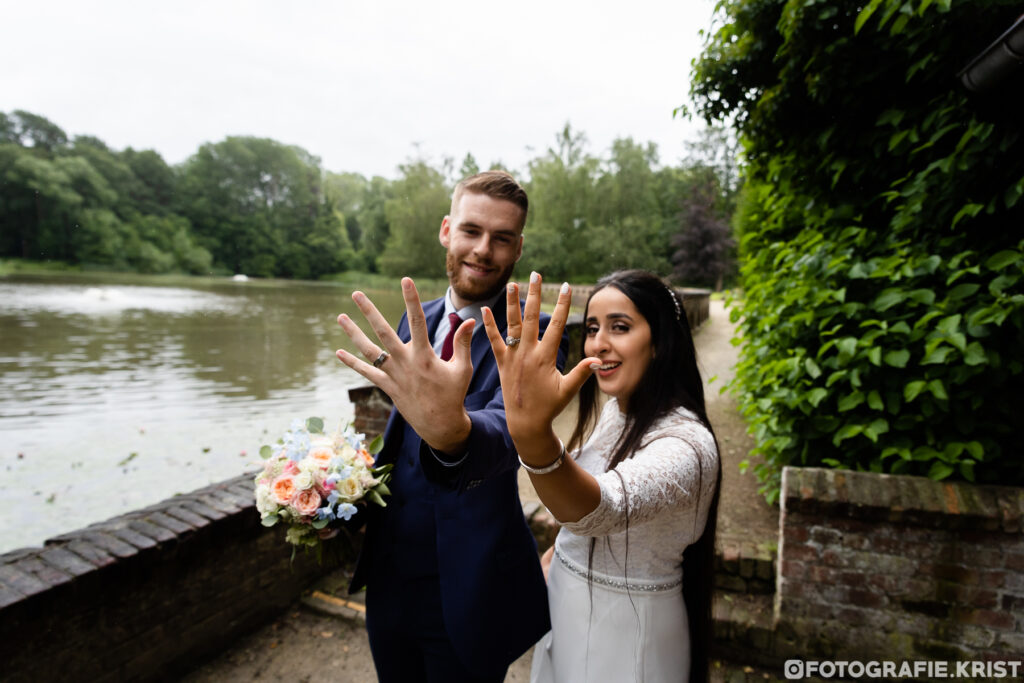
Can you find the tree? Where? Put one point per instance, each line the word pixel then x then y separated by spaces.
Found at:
pixel 469 167
pixel 259 207
pixel 35 131
pixel 703 247
pixel 421 200
pixel 561 188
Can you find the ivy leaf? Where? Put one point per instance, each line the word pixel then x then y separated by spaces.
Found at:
pixel 846 432
pixel 875 400
pixel 971 210
pixel 897 359
pixel 939 471
pixel 975 354
pixel 1001 259
pixel 851 401
pixel 812 368
pixel 875 356
pixel 967 470
pixel 976 450
pixel 962 291
pixel 876 428
pixel 912 389
pixel 938 390
pixel 937 355
pixel 847 346
pixel 889 298
pixel 270 520
pixel 864 15
pixel 266 452
pixel 815 395
pixel 315 425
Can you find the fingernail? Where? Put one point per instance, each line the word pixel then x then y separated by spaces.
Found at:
pixel 511 288
pixel 565 288
pixel 534 277
pixel 595 366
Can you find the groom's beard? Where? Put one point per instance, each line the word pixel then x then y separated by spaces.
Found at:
pixel 473 288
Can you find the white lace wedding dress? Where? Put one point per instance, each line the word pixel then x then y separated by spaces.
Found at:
pixel 628 623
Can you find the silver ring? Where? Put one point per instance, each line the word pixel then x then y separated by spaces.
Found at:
pixel 384 355
pixel 512 341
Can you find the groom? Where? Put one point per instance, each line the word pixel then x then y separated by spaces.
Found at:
pixel 454 586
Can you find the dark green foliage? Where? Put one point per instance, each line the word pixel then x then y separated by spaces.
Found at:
pixel 259 207
pixel 881 234
pixel 702 250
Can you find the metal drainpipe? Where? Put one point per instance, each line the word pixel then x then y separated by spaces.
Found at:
pixel 999 61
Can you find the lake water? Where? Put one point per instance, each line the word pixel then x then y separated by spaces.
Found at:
pixel 118 392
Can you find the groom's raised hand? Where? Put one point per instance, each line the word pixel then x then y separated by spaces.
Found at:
pixel 426 390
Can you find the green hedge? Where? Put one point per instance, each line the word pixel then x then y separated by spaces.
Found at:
pixel 882 240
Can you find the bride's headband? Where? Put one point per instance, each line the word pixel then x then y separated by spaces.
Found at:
pixel 675 302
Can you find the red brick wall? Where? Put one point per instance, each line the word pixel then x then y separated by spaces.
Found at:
pixel 147 594
pixel 888 567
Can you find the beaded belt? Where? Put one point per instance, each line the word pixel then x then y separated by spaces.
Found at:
pixel 617 584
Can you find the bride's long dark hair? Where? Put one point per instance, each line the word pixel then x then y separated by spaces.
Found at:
pixel 672 380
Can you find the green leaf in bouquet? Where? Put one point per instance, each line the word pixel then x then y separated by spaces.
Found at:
pixel 270 520
pixel 382 489
pixel 320 523
pixel 266 452
pixel 315 425
pixel 382 470
pixel 374 497
pixel 376 445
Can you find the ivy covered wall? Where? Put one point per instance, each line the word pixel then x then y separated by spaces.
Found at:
pixel 882 240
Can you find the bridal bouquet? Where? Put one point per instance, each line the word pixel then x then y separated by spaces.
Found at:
pixel 312 481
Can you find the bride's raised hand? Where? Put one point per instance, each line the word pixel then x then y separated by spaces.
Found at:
pixel 535 391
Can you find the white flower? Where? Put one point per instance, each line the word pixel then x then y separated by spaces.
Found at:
pixel 264 502
pixel 349 490
pixel 304 480
pixel 366 480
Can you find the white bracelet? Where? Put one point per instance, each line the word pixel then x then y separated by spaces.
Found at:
pixel 547 468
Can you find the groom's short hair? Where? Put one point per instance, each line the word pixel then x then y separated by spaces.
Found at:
pixel 493 184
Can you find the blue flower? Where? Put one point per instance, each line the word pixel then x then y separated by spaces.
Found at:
pixel 326 513
pixel 296 445
pixel 346 510
pixel 332 497
pixel 354 440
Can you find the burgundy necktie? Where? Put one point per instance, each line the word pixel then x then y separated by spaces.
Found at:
pixel 449 341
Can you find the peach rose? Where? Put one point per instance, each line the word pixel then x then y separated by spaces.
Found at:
pixel 307 502
pixel 367 458
pixel 321 455
pixel 282 490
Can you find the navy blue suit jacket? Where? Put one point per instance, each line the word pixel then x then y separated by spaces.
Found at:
pixel 494 599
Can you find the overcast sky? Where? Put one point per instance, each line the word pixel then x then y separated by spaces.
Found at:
pixel 363 85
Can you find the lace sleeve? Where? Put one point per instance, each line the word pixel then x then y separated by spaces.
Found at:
pixel 661 478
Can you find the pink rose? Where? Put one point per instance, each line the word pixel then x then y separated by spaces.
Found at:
pixel 307 502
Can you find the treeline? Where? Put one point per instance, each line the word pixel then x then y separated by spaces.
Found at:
pixel 259 207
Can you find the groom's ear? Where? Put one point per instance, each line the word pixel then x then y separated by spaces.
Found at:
pixel 444 234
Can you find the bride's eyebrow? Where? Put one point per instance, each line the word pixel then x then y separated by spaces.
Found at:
pixel 611 316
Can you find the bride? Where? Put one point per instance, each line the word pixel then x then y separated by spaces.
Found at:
pixel 637 501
